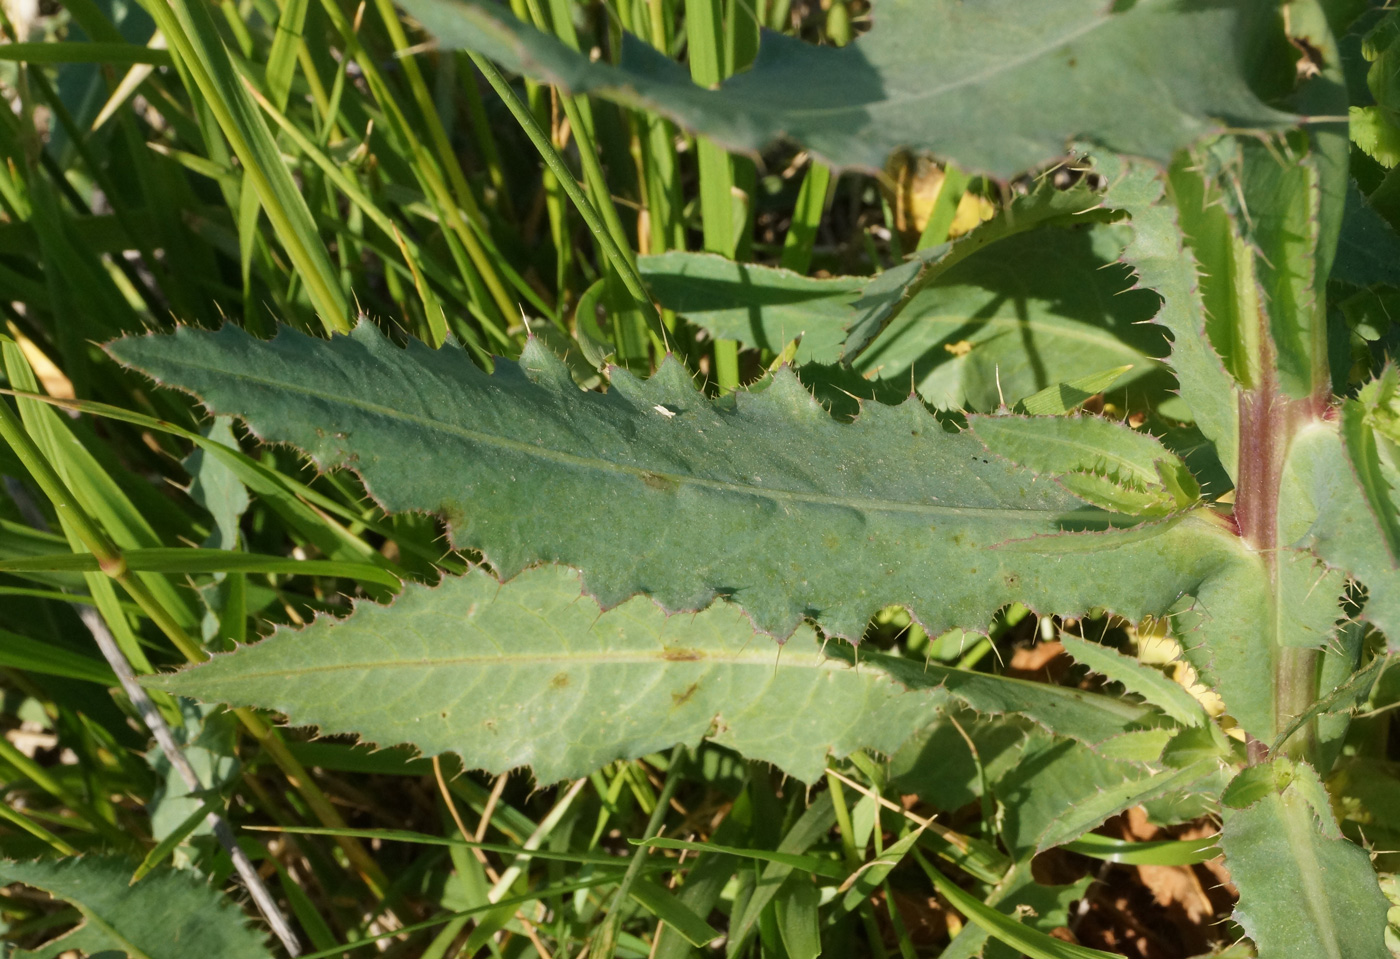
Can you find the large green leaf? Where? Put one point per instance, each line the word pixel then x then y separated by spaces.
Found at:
pixel 972 331
pixel 1322 509
pixel 1282 207
pixel 1305 891
pixel 968 325
pixel 168 915
pixel 761 497
pixel 998 86
pixel 1040 308
pixel 1101 461
pixel 1158 252
pixel 760 306
pixel 478 668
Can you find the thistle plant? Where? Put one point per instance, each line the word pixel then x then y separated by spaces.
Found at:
pixel 659 563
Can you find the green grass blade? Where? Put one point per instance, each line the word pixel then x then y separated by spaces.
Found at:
pixel 674 913
pixel 116 54
pixel 1165 852
pixel 194 40
pixel 815 865
pixel 21 652
pixel 190 561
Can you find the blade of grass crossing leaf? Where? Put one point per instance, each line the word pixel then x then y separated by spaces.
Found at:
pixel 670 910
pixel 1067 397
pixel 415 258
pixel 195 41
pixel 811 864
pixel 31 655
pixel 424 839
pixel 1031 942
pixel 606 939
pixel 286 44
pixel 305 911
pixel 115 54
pixel 163 849
pixel 1167 852
pixel 191 561
pixel 1361 448
pixel 432 310
pixel 1155 687
pixel 493 309
pixel 97 494
pixel 97 542
pixel 705 38
pixel 811 826
pixel 580 116
pixel 41 777
pixel 16 818
pixel 614 254
pixel 522 900
pixel 868 879
pixel 945 207
pixel 798 922
pixel 806 217
pixel 447 159
pixel 285 495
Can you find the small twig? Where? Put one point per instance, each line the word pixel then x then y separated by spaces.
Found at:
pixel 92 619
pixel 155 722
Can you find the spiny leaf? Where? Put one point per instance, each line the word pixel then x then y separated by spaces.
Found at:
pixel 1368 250
pixel 1305 891
pixel 760 306
pixel 1028 941
pixel 1095 810
pixel 1233 630
pixel 168 915
pixel 478 668
pixel 1159 690
pixel 762 497
pixel 1163 852
pixel 1002 333
pixel 1229 291
pixel 1158 253
pixel 1105 463
pixel 1370 428
pixel 1145 78
pixel 1322 509
pixel 1282 202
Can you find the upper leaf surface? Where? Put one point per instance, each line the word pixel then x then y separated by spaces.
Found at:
pixel 167 915
pixel 1282 207
pixel 654 488
pixel 1002 313
pixel 996 87
pixel 1158 253
pixel 1305 892
pixel 1167 694
pixel 1322 508
pixel 1105 463
pixel 478 668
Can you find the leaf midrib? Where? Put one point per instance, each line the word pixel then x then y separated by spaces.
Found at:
pixel 673 657
pixel 1002 65
pixel 1298 827
pixel 643 473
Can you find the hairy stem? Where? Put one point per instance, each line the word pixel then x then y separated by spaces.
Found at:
pixel 1268 422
